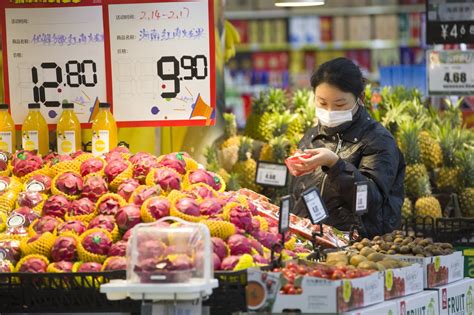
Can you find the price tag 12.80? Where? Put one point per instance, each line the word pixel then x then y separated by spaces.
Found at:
pixel 284 222
pixel 314 205
pixel 271 174
pixel 360 198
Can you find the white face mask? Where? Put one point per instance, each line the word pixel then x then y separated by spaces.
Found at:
pixel 334 118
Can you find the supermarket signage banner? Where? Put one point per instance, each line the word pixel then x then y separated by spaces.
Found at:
pixel 450 72
pixel 152 60
pixel 449 22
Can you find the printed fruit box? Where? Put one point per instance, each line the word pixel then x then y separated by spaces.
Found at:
pixel 403 281
pixel 439 270
pixel 317 295
pixel 456 297
pixel 385 308
pixel 423 303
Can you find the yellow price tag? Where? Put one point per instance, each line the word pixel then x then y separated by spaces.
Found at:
pixel 346 290
pixel 389 279
pixel 437 263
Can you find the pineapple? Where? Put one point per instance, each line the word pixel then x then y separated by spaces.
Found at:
pixel 246 167
pixel 428 207
pixel 213 164
pixel 450 140
pixel 253 121
pixel 466 195
pixel 230 131
pixel 430 151
pixel 277 150
pixel 233 182
pixel 407 208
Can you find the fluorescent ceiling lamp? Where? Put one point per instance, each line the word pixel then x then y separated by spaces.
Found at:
pixel 298 3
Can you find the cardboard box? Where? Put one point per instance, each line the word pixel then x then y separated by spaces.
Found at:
pixel 318 295
pixel 403 281
pixel 425 302
pixel 439 270
pixel 456 298
pixel 385 308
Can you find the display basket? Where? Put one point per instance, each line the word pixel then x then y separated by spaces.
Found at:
pixel 418 226
pixel 457 231
pixel 229 297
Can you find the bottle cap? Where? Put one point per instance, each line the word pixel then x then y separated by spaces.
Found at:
pixel 4 106
pixel 34 106
pixel 68 105
pixel 104 105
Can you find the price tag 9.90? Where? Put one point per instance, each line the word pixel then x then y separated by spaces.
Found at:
pixel 314 204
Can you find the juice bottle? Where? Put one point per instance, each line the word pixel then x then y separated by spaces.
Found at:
pixel 7 130
pixel 68 131
pixel 104 131
pixel 34 131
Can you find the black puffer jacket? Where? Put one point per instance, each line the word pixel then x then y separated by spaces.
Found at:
pixel 367 152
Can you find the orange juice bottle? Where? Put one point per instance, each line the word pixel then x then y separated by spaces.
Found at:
pixel 34 131
pixel 7 130
pixel 104 131
pixel 68 131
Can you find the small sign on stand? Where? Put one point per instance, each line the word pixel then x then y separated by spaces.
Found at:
pixel 283 226
pixel 361 191
pixel 317 213
pixel 271 174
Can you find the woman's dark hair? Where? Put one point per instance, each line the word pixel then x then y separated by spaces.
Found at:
pixel 341 73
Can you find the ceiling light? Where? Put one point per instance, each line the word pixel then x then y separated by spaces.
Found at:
pixel 298 3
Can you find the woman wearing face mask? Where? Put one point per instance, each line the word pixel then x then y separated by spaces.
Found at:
pixel 346 147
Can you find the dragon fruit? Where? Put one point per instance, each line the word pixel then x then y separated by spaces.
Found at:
pixel 83 206
pixel 180 262
pixel 64 249
pixel 255 227
pixel 75 226
pixel 26 164
pixel 34 264
pixel 5 266
pixel 252 207
pixel 128 216
pixel 290 253
pixel 188 206
pixel 229 263
pixel 109 206
pixel 216 261
pixel 127 235
pixel 118 249
pixel 121 148
pixel 259 259
pixel 90 267
pixel 22 155
pixel 142 163
pixel 10 250
pixel 239 245
pixel 241 218
pixel 158 207
pixel 175 161
pixel 92 165
pixel 219 247
pixel 257 246
pixel 116 263
pixel 64 266
pixel 29 215
pixel 46 224
pixel 38 183
pixel 127 187
pixel 143 194
pixel 29 199
pixel 201 176
pixel 113 156
pixel 56 205
pixel 70 183
pixel 49 157
pixel 106 222
pixel 167 179
pixel 210 207
pixel 56 159
pixel 114 168
pixel 151 248
pixel 97 242
pixel 202 191
pixel 268 239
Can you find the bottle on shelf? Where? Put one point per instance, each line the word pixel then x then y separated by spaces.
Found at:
pixel 7 130
pixel 104 131
pixel 68 131
pixel 34 131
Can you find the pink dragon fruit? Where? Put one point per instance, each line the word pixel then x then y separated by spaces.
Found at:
pixel 216 261
pixel 81 206
pixel 259 259
pixel 118 249
pixel 116 263
pixel 64 266
pixel 56 205
pixel 49 157
pixel 127 235
pixel 106 222
pixel 167 179
pixel 127 187
pixel 33 265
pixel 109 206
pixel 175 161
pixel 188 206
pixel 22 155
pixel 90 267
pixel 26 165
pixel 46 224
pixel 255 227
pixel 92 165
pixel 241 218
pixel 201 176
pixel 75 226
pixel 97 242
pixel 151 248
pixel 114 168
pixel 58 158
pixel 202 191
pixel 252 207
pixel 268 239
pixel 38 183
pixel 10 250
pixel 290 253
pixel 144 194
pixel 239 245
pixel 257 246
pixel 29 199
pixel 158 207
pixel 64 248
pixel 142 163
pixel 210 207
pixel 70 183
pixel 113 156
pixel 29 214
pixel 229 263
pixel 128 216
pixel 219 247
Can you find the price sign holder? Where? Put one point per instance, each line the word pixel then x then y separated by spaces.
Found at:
pixel 361 190
pixel 271 174
pixel 283 226
pixel 317 253
pixel 314 204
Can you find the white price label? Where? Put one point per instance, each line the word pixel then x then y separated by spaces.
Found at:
pixel 6 141
pixel 29 140
pixel 100 142
pixel 361 197
pixel 451 72
pixel 271 174
pixel 315 206
pixel 67 142
pixel 284 214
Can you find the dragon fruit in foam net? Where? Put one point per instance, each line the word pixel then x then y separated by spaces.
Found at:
pixel 116 263
pixel 167 179
pixel 97 242
pixel 175 161
pixel 241 218
pixel 94 187
pixel 106 222
pixel 64 266
pixel 128 216
pixel 142 163
pixel 92 165
pixel 112 156
pixel 201 176
pixel 46 224
pixel 114 168
pixel 21 155
pixel 145 193
pixel 219 247
pixel 127 187
pixel 29 214
pixel 268 239
pixel 27 165
pixel 33 265
pixel 188 206
pixel 56 205
pixel 158 207
pixel 74 226
pixel 229 262
pixel 90 267
pixel 64 248
pixel 239 245
pixel 118 249
pixel 256 245
pixel 70 183
pixel 55 159
pixel 202 191
pixel 210 206
pixel 109 206
pixel 39 183
pixel 81 206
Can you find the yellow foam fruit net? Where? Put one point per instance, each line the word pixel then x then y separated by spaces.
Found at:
pixel 126 174
pixel 3 221
pixel 56 191
pixel 100 172
pixel 87 256
pixel 194 186
pixel 291 243
pixel 228 207
pixel 86 218
pixel 40 246
pixel 24 259
pixel 106 262
pixel 145 214
pixel 9 196
pixel 6 172
pixel 150 177
pixel 245 262
pixel 39 207
pixel 65 166
pixel 176 213
pixel 31 227
pixel 263 223
pixel 186 184
pixel 220 229
pixel 84 156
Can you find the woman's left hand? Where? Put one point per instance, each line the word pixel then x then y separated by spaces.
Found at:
pixel 319 157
